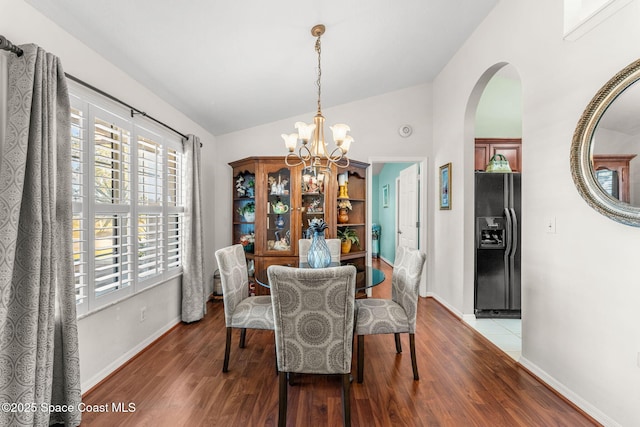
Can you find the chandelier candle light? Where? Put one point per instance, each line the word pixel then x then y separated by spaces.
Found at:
pixel 343 180
pixel 313 152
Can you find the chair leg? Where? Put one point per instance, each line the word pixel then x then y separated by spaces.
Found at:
pixel 275 353
pixel 414 361
pixel 227 349
pixel 346 400
pixel 243 336
pixel 360 358
pixel 398 343
pixel 282 399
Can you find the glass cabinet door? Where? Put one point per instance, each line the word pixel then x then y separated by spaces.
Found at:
pixel 279 211
pixel 313 202
pixel 244 209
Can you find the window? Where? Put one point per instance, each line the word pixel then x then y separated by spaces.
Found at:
pixel 128 201
pixel 581 16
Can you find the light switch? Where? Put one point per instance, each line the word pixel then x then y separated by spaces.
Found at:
pixel 550 224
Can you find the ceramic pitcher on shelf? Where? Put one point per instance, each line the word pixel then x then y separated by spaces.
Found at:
pixel 279 208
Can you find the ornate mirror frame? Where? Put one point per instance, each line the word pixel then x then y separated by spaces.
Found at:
pixel 582 150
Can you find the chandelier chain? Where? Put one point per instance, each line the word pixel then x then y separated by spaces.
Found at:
pixel 318 82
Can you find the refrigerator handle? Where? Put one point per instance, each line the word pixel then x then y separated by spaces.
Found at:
pixel 514 238
pixel 507 256
pixel 508 237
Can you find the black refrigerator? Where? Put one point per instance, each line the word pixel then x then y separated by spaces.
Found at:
pixel 497 245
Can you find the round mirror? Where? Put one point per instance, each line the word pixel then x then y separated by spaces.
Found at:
pixel 605 165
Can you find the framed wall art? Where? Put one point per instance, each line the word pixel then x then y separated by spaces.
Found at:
pixel 385 196
pixel 445 186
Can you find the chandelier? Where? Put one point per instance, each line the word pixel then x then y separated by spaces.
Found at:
pixel 312 151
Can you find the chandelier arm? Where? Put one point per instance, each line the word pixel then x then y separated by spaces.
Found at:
pixel 340 160
pixel 336 155
pixel 305 157
pixel 300 161
pixel 302 157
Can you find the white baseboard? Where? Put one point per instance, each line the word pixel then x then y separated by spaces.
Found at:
pixel 386 260
pixel 568 394
pixel 109 369
pixel 560 388
pixel 443 302
pixel 469 318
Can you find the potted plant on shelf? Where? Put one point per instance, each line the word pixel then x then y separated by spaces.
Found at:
pixel 344 206
pixel 248 211
pixel 251 186
pixel 348 237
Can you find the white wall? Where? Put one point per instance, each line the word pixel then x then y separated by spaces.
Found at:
pixel 580 317
pixel 111 336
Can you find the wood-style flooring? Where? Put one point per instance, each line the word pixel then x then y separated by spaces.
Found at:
pixel 464 381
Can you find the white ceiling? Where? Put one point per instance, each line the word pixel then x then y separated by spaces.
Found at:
pixel 231 65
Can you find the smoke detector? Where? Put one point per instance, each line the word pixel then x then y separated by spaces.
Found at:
pixel 405 131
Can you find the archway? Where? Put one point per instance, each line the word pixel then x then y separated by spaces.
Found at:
pixel 493 125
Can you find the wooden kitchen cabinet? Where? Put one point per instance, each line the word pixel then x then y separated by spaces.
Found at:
pixel 511 148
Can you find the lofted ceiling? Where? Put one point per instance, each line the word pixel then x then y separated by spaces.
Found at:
pixel 231 65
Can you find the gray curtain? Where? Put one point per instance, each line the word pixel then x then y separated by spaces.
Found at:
pixel 39 363
pixel 4 72
pixel 193 289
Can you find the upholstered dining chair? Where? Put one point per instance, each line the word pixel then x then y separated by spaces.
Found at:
pixel 397 315
pixel 240 310
pixel 305 244
pixel 313 312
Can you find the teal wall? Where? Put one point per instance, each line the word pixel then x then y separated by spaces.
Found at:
pixel 376 199
pixel 386 217
pixel 499 113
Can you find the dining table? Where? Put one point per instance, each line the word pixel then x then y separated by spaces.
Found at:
pixel 372 276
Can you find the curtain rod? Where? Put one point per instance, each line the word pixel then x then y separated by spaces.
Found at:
pixel 7 45
pixel 133 110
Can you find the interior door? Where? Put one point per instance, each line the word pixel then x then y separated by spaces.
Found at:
pixel 408 225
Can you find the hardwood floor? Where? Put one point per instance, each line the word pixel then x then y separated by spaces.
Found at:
pixel 464 381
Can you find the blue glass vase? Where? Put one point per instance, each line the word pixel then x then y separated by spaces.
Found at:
pixel 319 255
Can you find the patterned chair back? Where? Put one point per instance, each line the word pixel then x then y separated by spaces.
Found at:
pixel 313 315
pixel 233 277
pixel 405 281
pixel 335 249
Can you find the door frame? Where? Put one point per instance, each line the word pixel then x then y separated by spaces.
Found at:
pixel 396 221
pixel 425 224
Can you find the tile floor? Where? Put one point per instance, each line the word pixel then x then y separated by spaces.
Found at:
pixel 505 333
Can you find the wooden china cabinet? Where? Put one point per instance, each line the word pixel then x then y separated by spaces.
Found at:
pixel 284 200
pixel 357 191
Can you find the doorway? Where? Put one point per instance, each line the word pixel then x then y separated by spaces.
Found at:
pixel 498 131
pixel 384 210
